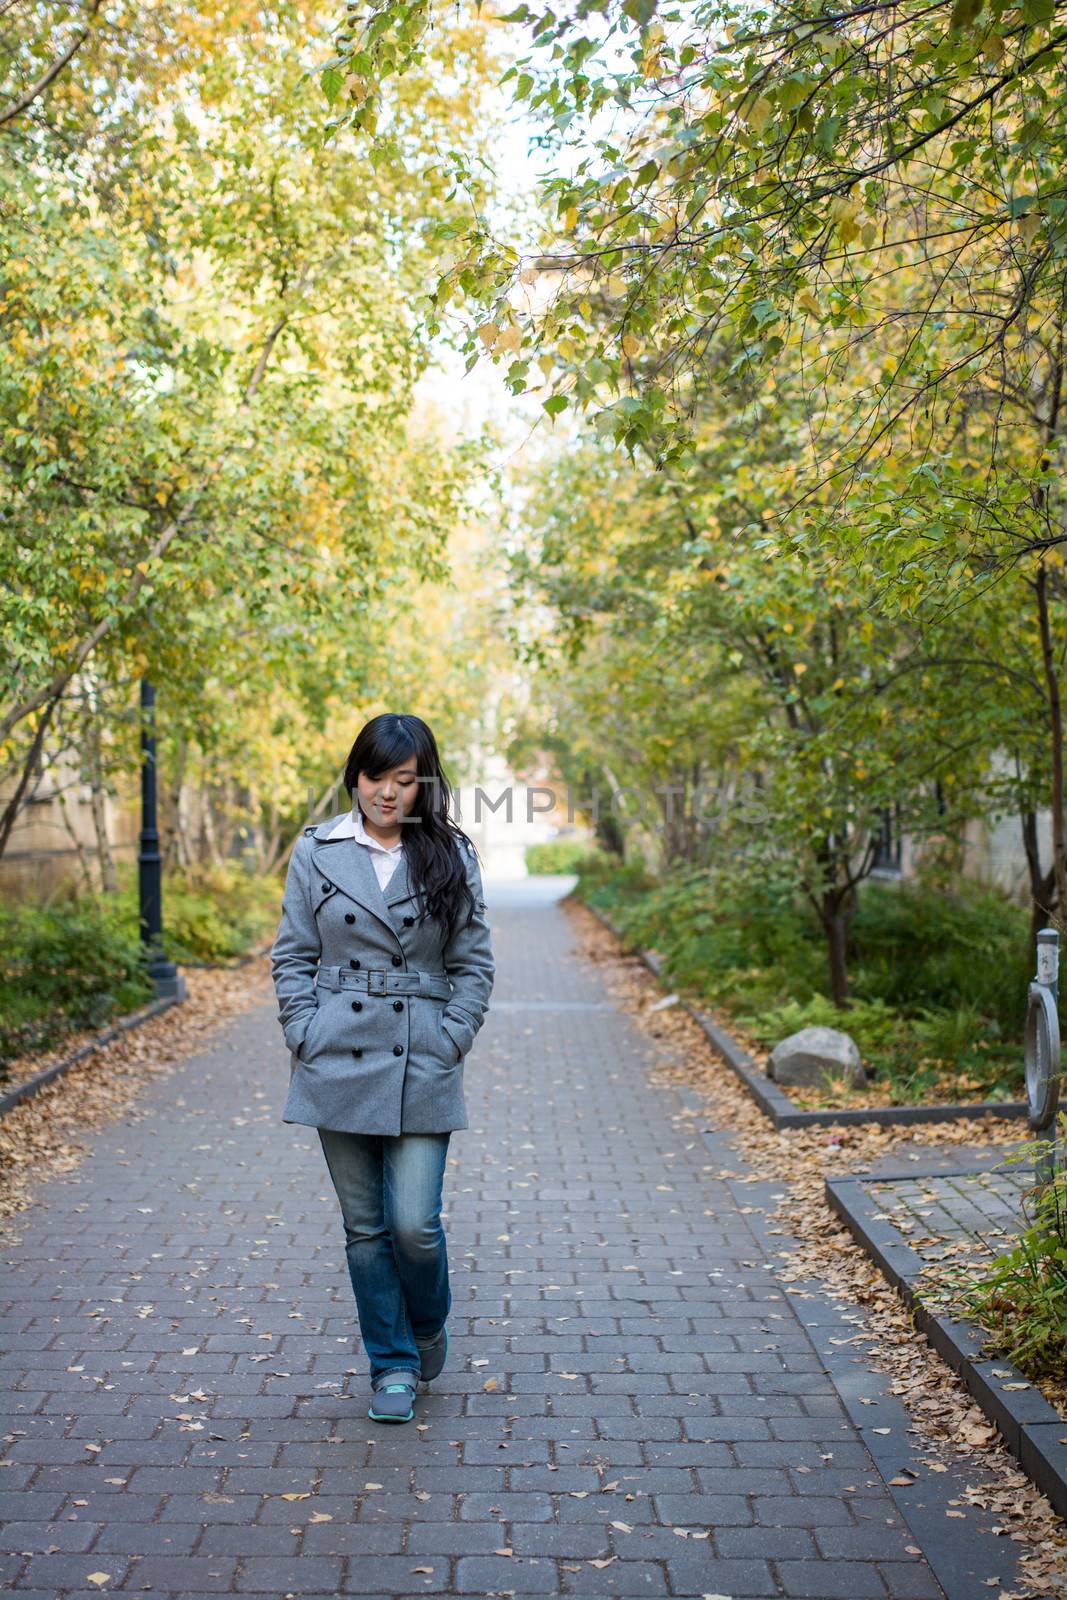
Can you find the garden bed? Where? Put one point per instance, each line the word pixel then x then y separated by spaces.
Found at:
pixel 787 1111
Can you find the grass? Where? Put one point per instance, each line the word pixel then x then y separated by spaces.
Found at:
pixel 938 980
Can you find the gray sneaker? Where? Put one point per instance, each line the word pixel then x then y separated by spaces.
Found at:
pixel 393 1402
pixel 434 1356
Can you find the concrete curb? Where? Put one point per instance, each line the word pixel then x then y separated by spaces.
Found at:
pixel 779 1108
pixel 25 1091
pixel 1032 1429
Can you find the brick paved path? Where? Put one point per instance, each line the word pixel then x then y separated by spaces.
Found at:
pixel 180 1327
pixel 974 1213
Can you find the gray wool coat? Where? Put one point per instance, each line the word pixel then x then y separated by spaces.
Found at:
pixel 363 1060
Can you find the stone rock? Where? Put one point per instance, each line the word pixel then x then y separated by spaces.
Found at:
pixel 808 1056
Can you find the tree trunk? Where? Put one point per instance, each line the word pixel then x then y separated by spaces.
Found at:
pixel 1042 884
pixel 177 852
pixel 79 848
pixel 1055 708
pixel 836 923
pixel 109 883
pixel 209 849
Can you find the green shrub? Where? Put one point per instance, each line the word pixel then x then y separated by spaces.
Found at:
pixel 560 855
pixel 70 965
pixel 914 946
pixel 214 914
pixel 875 1027
pixel 77 963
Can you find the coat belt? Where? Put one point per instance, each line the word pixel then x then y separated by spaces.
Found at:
pixel 380 980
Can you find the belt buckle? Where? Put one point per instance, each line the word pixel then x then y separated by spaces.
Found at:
pixel 372 974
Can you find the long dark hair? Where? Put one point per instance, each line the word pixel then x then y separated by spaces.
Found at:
pixel 434 847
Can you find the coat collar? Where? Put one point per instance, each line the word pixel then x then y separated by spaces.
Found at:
pixel 347 863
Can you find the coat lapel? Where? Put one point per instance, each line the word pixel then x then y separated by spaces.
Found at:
pixel 347 863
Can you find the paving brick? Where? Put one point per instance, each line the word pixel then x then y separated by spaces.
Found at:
pixel 868 1541
pixel 748 1578
pixel 910 1581
pixel 291 1575
pixel 768 1544
pixel 507 1507
pixel 521 1575
pixel 60 1572
pixel 188 1574
pixel 143 1538
pixel 802 1511
pixel 832 1580
pixel 41 1536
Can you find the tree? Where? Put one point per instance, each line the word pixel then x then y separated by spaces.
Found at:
pixel 206 380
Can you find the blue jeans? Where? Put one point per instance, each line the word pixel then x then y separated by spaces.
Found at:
pixel 389 1186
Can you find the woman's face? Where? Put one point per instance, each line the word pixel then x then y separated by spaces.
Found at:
pixel 390 796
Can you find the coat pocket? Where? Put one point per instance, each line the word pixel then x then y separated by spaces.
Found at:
pixel 453 1053
pixel 307 1044
pixel 429 1040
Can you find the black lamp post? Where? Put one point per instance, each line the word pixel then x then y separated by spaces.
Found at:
pixel 168 980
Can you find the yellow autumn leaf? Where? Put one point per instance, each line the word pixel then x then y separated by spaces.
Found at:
pixel 510 338
pixel 844 212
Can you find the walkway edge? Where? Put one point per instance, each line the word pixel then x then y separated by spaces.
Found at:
pixel 32 1086
pixel 1031 1428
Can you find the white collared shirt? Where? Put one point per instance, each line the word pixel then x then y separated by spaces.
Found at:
pixel 385 859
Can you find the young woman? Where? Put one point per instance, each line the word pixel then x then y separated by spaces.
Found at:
pixel 383 969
